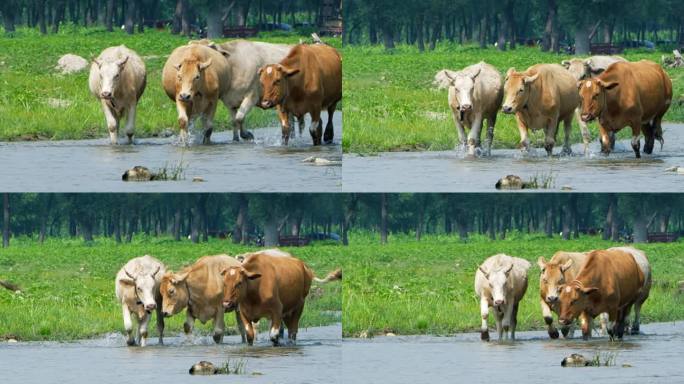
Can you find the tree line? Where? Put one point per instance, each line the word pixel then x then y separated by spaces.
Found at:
pixel 511 22
pixel 184 15
pixel 243 218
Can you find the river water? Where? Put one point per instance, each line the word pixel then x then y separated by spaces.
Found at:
pixel 653 357
pixel 315 359
pixel 95 166
pixel 451 171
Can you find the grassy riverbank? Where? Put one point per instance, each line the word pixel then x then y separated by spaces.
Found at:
pixel 393 105
pixel 37 102
pixel 68 287
pixel 426 287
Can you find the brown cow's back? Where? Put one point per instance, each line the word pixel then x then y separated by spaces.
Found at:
pixel 320 76
pixel 557 89
pixel 286 277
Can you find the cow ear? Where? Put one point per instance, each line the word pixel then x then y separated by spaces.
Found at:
pixel 567 265
pixel 127 281
pixel 531 79
pixel 589 290
pixel 448 76
pixel 250 275
pixel 485 273
pixel 608 85
pixel 223 271
pixel 288 71
pixel 541 262
pixel 205 65
pixel 97 62
pixel 510 71
pixel 178 66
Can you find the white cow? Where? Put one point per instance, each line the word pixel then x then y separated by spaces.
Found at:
pixel 137 289
pixel 589 67
pixel 118 79
pixel 475 94
pixel 501 282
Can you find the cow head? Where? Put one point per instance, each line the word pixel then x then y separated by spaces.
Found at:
pixel 593 95
pixel 573 300
pixel 552 278
pixel 517 90
pixel 498 282
pixel 464 84
pixel 578 68
pixel 110 74
pixel 174 291
pixel 235 280
pixel 144 285
pixel 189 75
pixel 273 80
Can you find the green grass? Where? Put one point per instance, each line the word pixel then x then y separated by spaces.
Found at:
pixel 393 106
pixel 426 287
pixel 68 287
pixel 28 80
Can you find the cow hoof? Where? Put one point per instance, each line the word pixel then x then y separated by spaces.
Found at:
pixel 247 135
pixel 484 336
pixel 554 334
pixel 218 338
pixel 130 343
pixel 565 331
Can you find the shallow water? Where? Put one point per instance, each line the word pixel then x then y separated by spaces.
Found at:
pixel 315 359
pixel 96 166
pixel 655 357
pixel 451 171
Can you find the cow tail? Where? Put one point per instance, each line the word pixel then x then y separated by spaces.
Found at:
pixel 332 276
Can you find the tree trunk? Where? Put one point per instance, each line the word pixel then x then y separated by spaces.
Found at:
pixel 550 27
pixel 240 220
pixel 372 31
pixel 271 232
pixel 109 16
pixel 117 226
pixel 420 26
pixel 59 15
pixel 383 218
pixel 582 41
pixel 177 17
pixel 388 36
pixel 177 224
pixel 419 223
pixel 640 231
pixel 5 220
pixel 548 222
pixel 195 225
pixel 130 17
pixel 215 24
pixel 40 9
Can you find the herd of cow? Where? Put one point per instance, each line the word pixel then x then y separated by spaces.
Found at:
pixel 265 284
pixel 609 89
pixel 574 285
pixel 295 79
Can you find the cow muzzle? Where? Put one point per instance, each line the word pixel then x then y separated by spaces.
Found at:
pixel 551 299
pixel 498 303
pixel 466 107
pixel 266 104
pixel 229 305
pixel 150 307
pixel 507 109
pixel 106 95
pixel 184 97
pixel 587 117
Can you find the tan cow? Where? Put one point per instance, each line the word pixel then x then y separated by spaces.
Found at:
pixel 137 289
pixel 609 281
pixel 542 97
pixel 273 286
pixel 500 283
pixel 118 78
pixel 590 67
pixel 475 94
pixel 628 94
pixel 199 288
pixel 308 80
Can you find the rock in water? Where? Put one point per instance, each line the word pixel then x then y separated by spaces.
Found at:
pixel 575 360
pixel 138 173
pixel 203 368
pixel 69 63
pixel 510 182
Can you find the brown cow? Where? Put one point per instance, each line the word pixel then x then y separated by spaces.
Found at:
pixel 610 281
pixel 268 285
pixel 628 94
pixel 199 288
pixel 542 97
pixel 308 80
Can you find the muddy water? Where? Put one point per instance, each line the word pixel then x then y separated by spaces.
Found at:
pixel 450 171
pixel 96 166
pixel 655 357
pixel 315 359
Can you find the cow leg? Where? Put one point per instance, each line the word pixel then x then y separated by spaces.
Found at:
pixel 112 123
pixel 507 320
pixel 636 143
pixel 484 314
pixel 315 127
pixel 649 137
pixel 637 318
pixel 550 137
pixel 567 148
pixel 499 316
pixel 605 136
pixel 585 324
pixel 548 319
pixel 160 322
pixel 219 326
pixel 292 323
pixel 455 113
pixel 514 320
pixel 301 123
pixel 291 120
pixel 249 328
pixel 284 124
pixel 524 139
pixel 276 324
pixel 658 130
pixel 142 329
pixel 240 326
pixel 130 122
pixel 491 121
pixel 189 323
pixel 128 325
pixel 239 120
pixel 612 321
pixel 329 130
pixel 208 123
pixel 183 121
pixel 584 128
pixel 474 135
pixel 603 324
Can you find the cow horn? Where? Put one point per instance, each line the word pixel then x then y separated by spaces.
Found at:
pixel 509 269
pixel 485 273
pixel 128 274
pixel 156 271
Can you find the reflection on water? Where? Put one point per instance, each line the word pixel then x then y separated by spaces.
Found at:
pixel 315 359
pixel 654 356
pixel 96 166
pixel 451 171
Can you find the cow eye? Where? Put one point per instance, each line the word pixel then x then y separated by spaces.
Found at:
pixel 545 281
pixel 197 77
pixel 116 76
pixel 521 90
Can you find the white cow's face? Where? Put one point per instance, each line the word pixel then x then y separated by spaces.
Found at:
pixel 464 91
pixel 498 283
pixel 144 285
pixel 110 74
